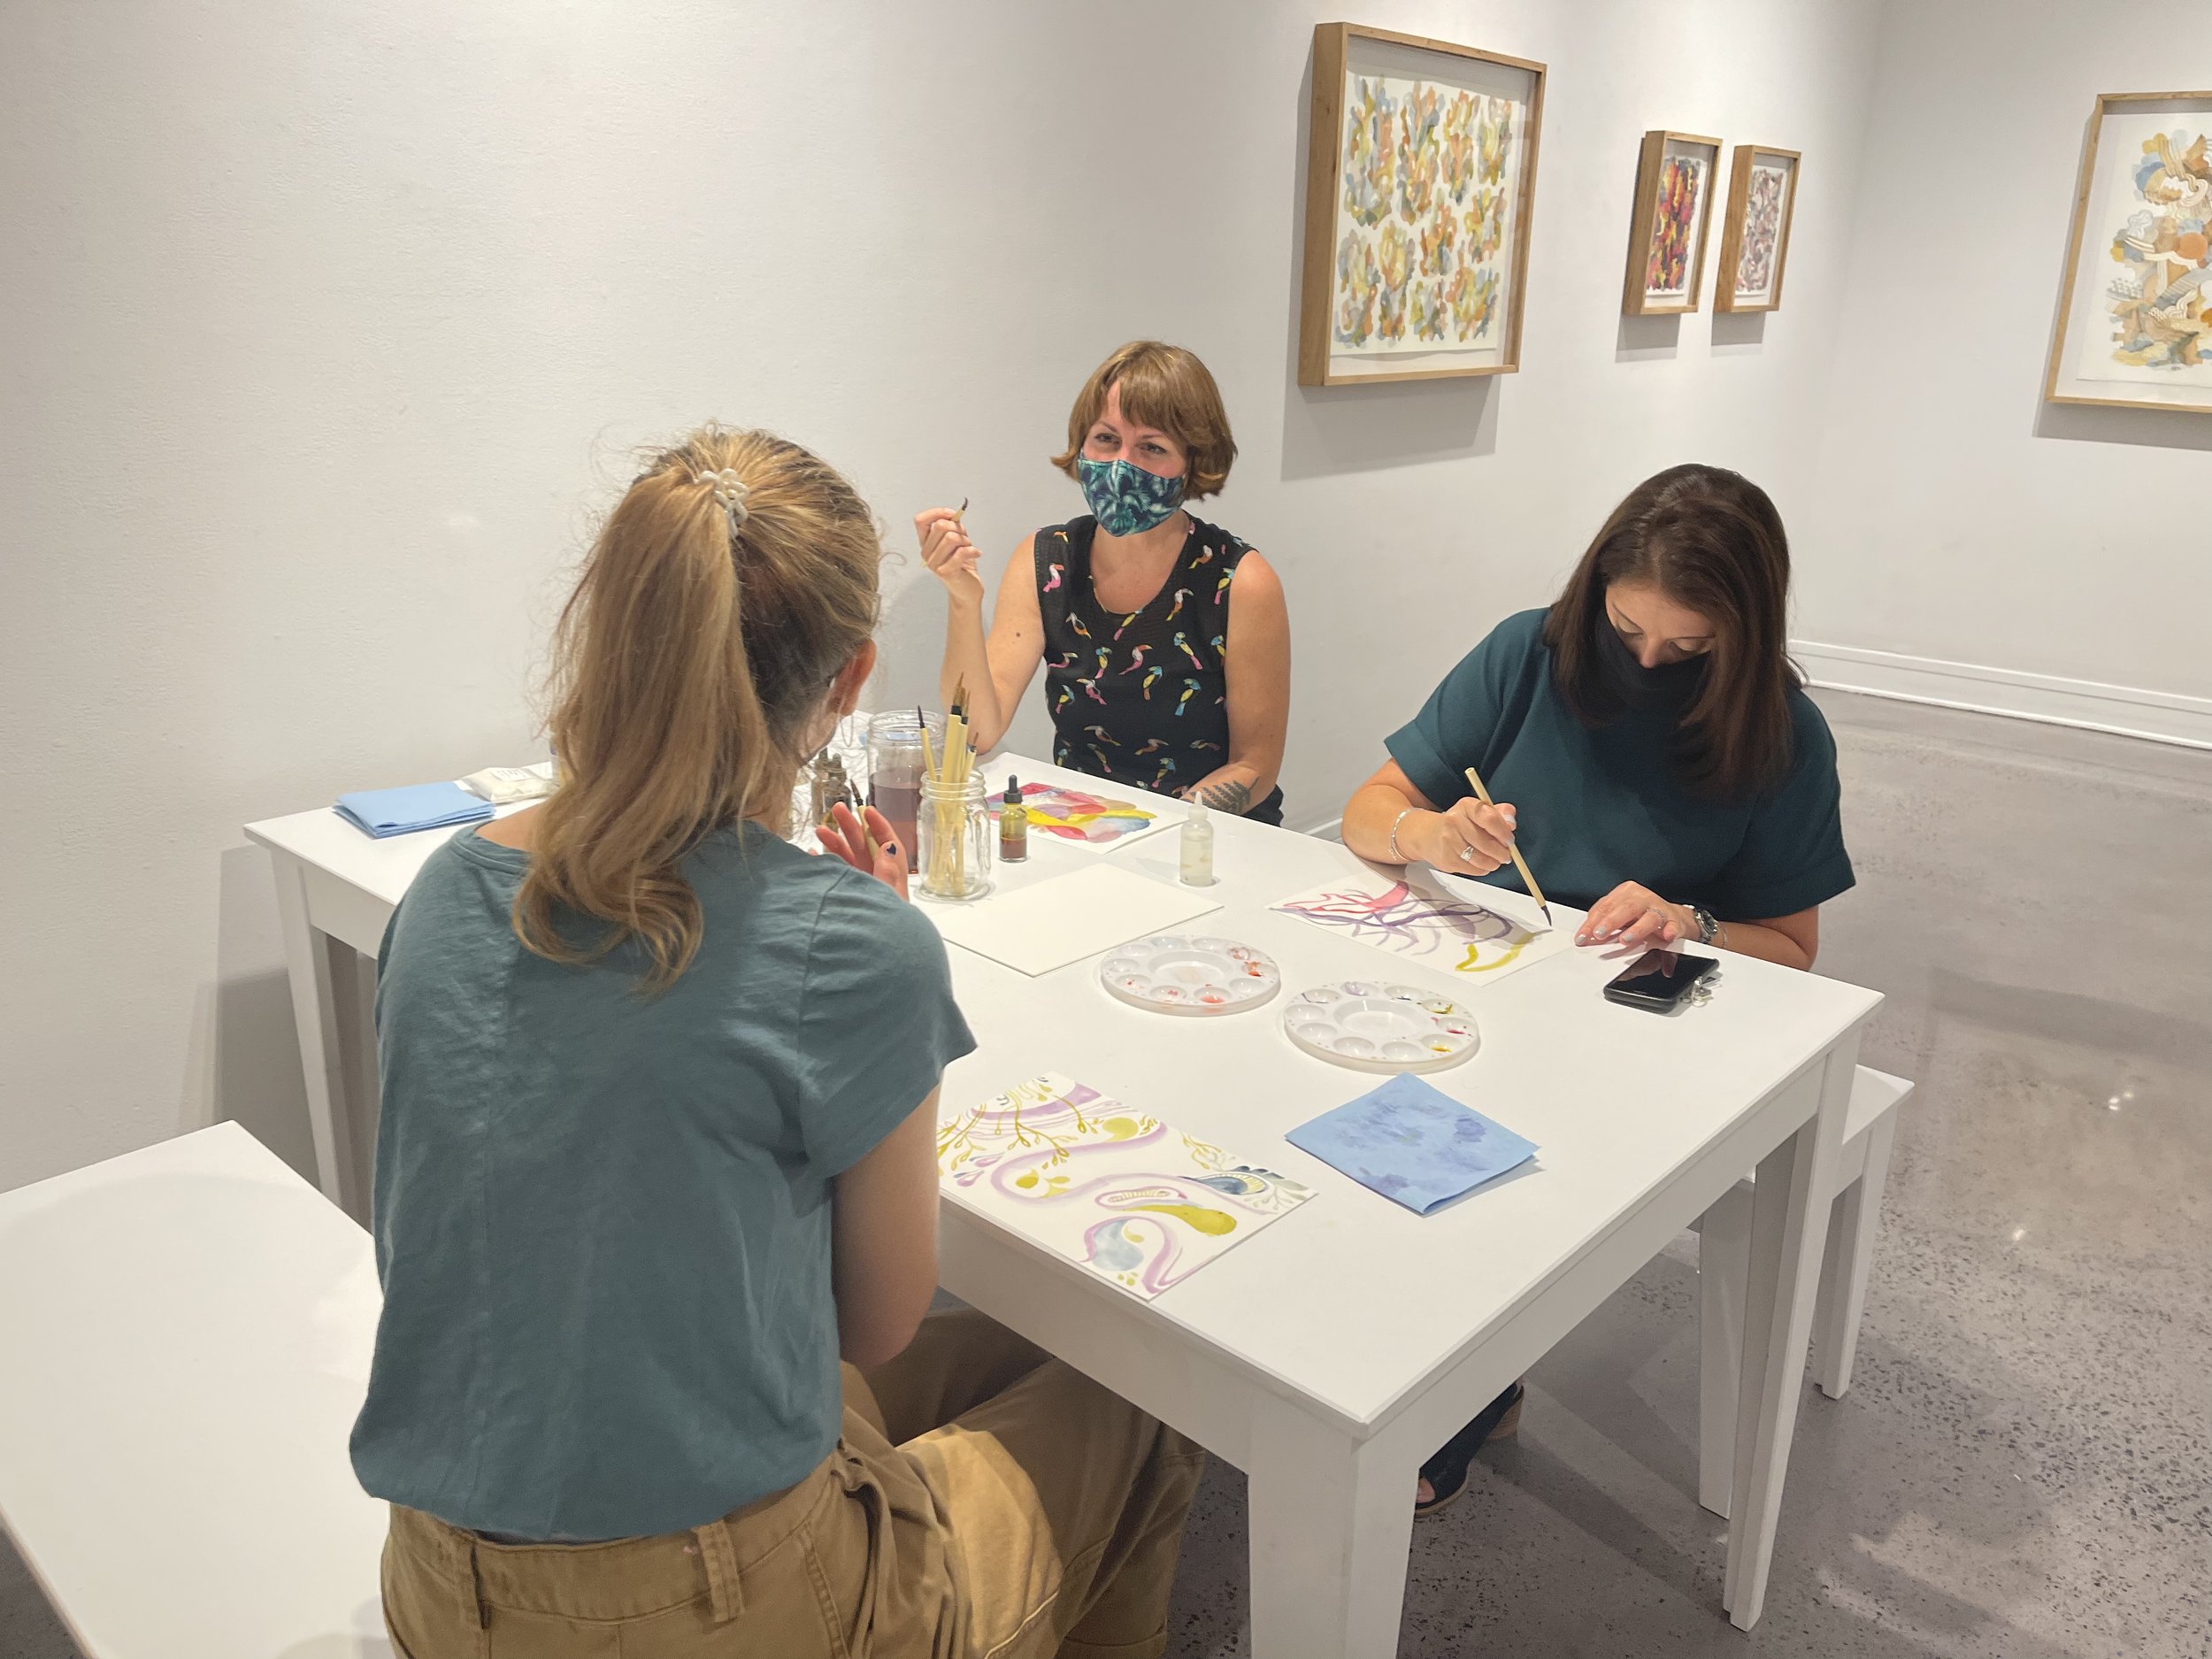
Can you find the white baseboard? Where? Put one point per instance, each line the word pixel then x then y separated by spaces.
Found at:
pixel 1330 830
pixel 2163 717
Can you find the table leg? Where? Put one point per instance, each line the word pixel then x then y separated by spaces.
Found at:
pixel 1724 1262
pixel 1331 1523
pixel 1788 1231
pixel 319 985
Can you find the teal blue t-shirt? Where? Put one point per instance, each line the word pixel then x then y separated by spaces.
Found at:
pixel 603 1219
pixel 1596 807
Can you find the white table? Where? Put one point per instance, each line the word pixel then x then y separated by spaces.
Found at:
pixel 188 1329
pixel 1332 1352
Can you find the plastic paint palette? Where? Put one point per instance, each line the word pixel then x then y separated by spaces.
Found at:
pixel 1375 1027
pixel 1183 973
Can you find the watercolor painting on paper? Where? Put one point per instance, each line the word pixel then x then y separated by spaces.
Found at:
pixel 1419 926
pixel 1763 205
pixel 2154 223
pixel 1097 821
pixel 1424 215
pixel 1113 1189
pixel 1670 262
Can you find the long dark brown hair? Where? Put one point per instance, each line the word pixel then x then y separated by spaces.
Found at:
pixel 1709 539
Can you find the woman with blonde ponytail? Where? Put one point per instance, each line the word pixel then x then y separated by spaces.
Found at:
pixel 658 1151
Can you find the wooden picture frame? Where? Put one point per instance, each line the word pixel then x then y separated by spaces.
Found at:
pixel 1677 175
pixel 1755 243
pixel 1416 275
pixel 2135 324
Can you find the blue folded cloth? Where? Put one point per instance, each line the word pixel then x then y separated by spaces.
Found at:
pixel 417 806
pixel 1410 1142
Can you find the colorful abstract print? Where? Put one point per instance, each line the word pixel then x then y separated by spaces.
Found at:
pixel 2161 320
pixel 1674 226
pixel 1424 214
pixel 1077 815
pixel 1762 230
pixel 1079 1173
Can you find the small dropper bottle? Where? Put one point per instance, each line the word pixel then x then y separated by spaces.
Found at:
pixel 1013 826
pixel 1198 846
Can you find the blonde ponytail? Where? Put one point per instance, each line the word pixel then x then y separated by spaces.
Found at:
pixel 733 581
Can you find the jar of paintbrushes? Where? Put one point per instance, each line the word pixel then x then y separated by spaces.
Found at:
pixel 953 829
pixel 955 838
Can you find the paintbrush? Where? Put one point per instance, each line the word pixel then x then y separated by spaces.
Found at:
pixel 1520 863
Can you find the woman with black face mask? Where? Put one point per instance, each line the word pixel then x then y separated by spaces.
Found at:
pixel 1680 785
pixel 1165 639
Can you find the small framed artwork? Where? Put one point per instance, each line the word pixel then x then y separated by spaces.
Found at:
pixel 1761 195
pixel 2135 317
pixel 1420 191
pixel 1666 236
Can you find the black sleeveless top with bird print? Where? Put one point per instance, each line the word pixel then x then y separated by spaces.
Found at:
pixel 1141 698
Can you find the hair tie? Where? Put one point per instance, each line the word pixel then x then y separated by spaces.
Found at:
pixel 730 490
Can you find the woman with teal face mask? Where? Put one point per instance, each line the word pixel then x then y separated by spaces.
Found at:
pixel 1165 639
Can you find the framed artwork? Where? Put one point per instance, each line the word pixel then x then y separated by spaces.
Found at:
pixel 1420 191
pixel 1674 184
pixel 2135 317
pixel 1761 195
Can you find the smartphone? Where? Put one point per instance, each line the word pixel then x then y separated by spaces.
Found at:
pixel 1659 979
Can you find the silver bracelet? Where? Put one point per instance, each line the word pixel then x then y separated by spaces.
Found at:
pixel 1395 856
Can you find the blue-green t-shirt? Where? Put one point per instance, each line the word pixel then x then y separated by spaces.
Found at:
pixel 603 1219
pixel 1596 807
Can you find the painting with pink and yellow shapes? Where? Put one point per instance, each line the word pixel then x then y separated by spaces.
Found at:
pixel 1111 1188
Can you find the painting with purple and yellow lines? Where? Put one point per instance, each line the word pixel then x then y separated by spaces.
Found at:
pixel 1110 1188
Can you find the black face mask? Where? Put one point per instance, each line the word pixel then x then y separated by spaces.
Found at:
pixel 1676 684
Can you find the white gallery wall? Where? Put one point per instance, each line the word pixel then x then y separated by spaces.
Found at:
pixel 1958 522
pixel 326 329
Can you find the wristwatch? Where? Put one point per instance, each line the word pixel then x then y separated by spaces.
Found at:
pixel 1708 924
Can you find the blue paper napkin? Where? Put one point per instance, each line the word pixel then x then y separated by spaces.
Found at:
pixel 417 806
pixel 1410 1142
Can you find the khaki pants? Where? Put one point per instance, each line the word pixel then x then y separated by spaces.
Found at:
pixel 984 1501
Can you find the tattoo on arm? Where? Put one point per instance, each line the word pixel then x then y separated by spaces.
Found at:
pixel 1230 795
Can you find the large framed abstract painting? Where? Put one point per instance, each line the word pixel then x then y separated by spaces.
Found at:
pixel 1762 196
pixel 1420 193
pixel 1675 181
pixel 2135 318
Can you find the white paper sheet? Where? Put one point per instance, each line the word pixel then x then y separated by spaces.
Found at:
pixel 1049 924
pixel 1140 1204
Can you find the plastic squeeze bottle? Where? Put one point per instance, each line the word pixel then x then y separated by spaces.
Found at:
pixel 1198 846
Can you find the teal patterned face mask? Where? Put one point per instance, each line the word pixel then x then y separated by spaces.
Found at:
pixel 1125 498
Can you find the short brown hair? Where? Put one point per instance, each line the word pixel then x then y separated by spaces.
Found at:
pixel 1709 539
pixel 1169 389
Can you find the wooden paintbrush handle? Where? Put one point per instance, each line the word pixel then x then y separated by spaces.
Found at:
pixel 1520 863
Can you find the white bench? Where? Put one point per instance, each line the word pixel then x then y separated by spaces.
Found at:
pixel 1724 1263
pixel 187 1333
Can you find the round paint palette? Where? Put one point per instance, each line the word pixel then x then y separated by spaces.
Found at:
pixel 1186 973
pixel 1377 1027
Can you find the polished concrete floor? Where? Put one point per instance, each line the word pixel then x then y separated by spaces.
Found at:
pixel 2022 1467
